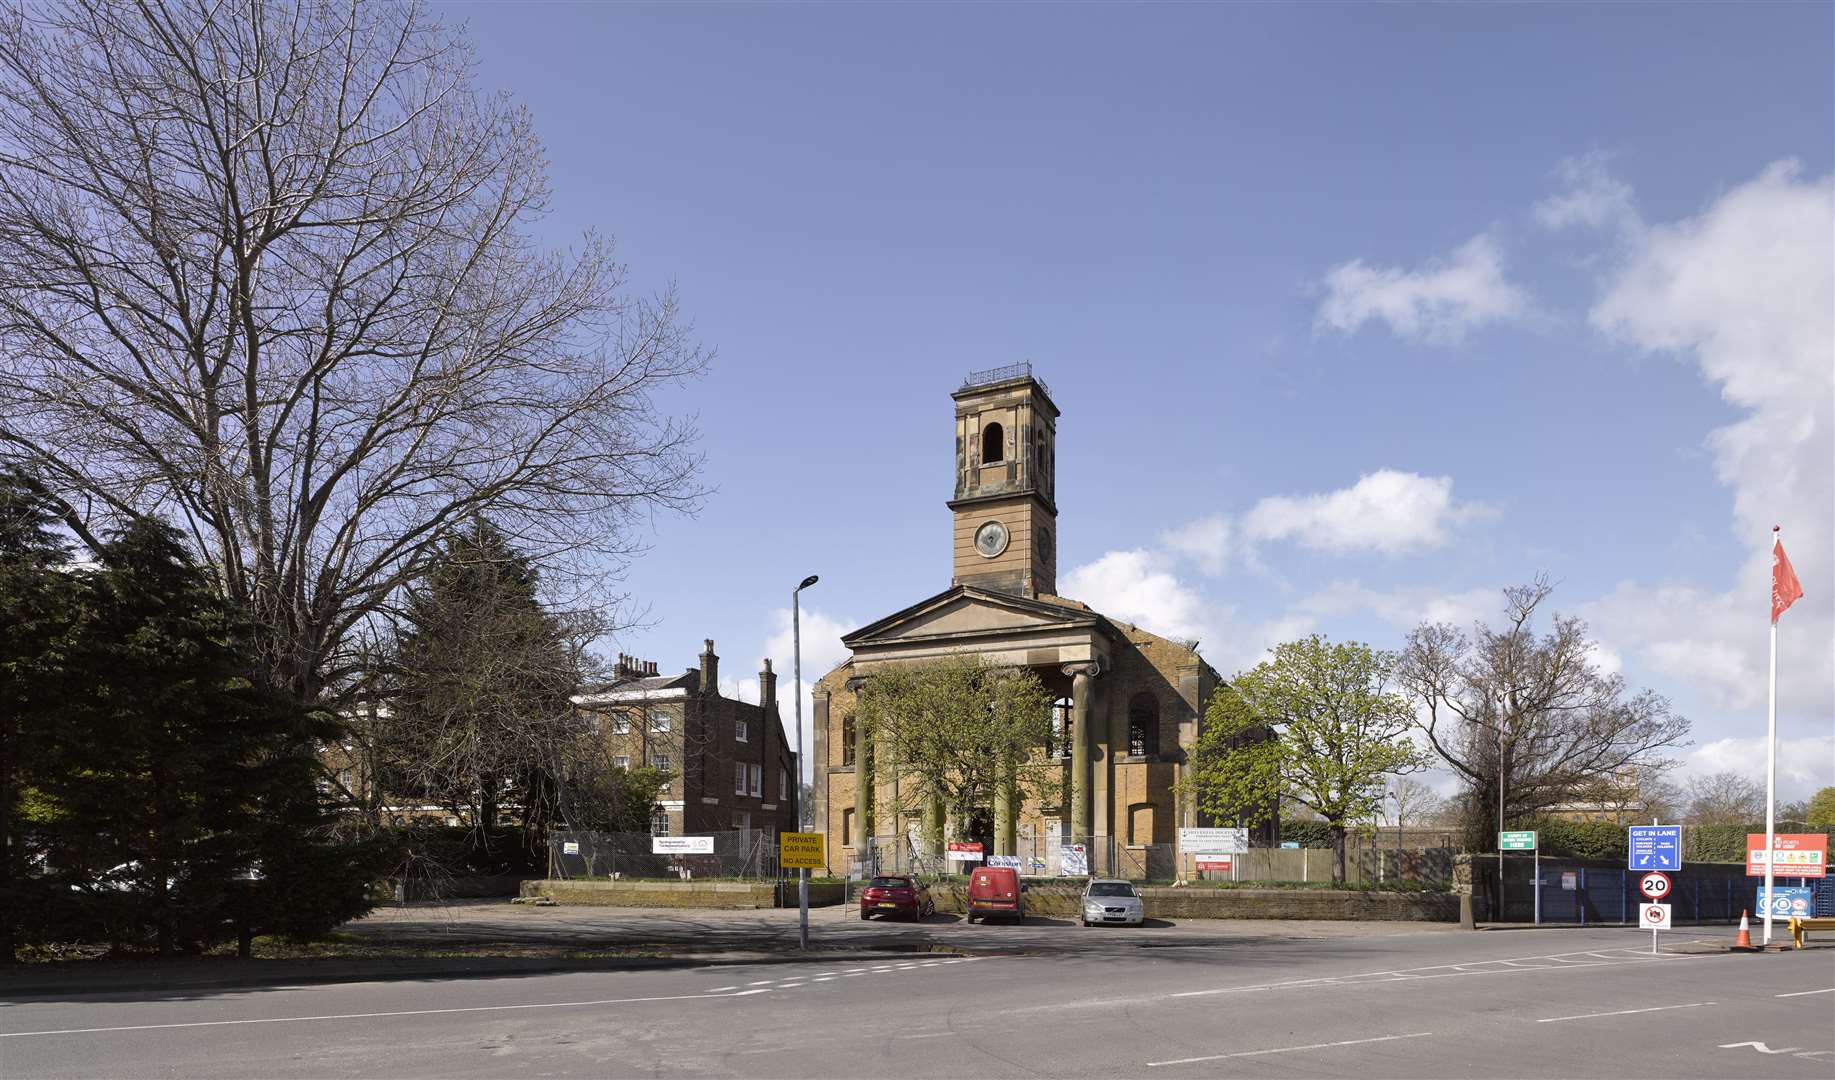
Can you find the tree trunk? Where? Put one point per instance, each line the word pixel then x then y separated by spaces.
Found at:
pixel 1337 853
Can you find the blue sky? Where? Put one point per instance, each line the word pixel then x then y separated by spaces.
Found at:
pixel 1355 314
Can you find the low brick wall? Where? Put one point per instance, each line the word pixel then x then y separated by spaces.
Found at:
pixel 678 894
pixel 1059 901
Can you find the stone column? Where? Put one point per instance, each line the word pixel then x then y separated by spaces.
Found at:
pixel 1006 825
pixel 1082 778
pixel 863 798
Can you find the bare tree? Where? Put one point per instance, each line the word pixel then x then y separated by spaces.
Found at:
pixel 1535 713
pixel 1725 798
pixel 1416 803
pixel 268 271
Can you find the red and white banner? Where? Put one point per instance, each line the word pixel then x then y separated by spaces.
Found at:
pixel 961 852
pixel 1785 588
pixel 1793 854
pixel 1214 864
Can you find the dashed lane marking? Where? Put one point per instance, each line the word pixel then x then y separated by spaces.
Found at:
pixel 1520 965
pixel 380 1015
pixel 1801 993
pixel 1289 1049
pixel 1627 1012
pixel 722 989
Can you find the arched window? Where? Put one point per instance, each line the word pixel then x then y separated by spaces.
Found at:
pixel 847 741
pixel 1058 745
pixel 1143 724
pixel 993 444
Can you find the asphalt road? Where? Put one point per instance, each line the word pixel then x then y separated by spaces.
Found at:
pixel 1425 1001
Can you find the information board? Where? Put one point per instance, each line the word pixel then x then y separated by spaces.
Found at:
pixel 801 851
pixel 1655 847
pixel 1793 854
pixel 681 845
pixel 1522 840
pixel 1213 841
pixel 1785 902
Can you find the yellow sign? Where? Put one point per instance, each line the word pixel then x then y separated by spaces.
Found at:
pixel 801 850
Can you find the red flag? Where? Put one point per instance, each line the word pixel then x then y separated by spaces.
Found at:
pixel 1785 589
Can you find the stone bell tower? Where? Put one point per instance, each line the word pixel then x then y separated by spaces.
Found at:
pixel 1004 511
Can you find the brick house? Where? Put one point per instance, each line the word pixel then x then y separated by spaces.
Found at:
pixel 1127 703
pixel 733 765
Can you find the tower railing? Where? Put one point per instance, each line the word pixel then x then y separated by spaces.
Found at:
pixel 1021 370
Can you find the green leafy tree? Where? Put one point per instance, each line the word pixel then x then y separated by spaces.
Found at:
pixel 1821 807
pixel 1315 724
pixel 179 799
pixel 961 730
pixel 38 608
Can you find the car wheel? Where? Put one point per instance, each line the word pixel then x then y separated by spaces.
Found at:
pixel 865 916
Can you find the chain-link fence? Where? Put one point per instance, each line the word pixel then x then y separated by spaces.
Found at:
pixel 744 854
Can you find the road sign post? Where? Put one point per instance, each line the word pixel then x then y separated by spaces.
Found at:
pixel 1655 916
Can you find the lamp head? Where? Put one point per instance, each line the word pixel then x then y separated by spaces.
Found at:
pixel 807 582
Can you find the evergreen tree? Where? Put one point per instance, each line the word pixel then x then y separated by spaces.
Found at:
pixel 37 612
pixel 483 677
pixel 175 777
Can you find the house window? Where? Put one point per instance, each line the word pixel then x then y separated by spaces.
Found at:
pixel 593 720
pixel 993 444
pixel 742 822
pixel 847 741
pixel 659 822
pixel 740 732
pixel 662 763
pixel 1143 724
pixel 622 761
pixel 659 721
pixel 621 723
pixel 847 827
pixel 739 778
pixel 783 784
pixel 758 779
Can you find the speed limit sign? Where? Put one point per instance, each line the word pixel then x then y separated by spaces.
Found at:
pixel 1654 885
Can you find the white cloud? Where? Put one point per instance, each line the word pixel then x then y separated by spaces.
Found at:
pixel 1803 763
pixel 1593 197
pixel 1403 607
pixel 1437 304
pixel 1135 586
pixel 1388 511
pixel 1206 542
pixel 1742 291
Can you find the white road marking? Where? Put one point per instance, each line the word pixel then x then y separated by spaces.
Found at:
pixel 1761 1048
pixel 1444 971
pixel 823 978
pixel 762 982
pixel 851 974
pixel 722 989
pixel 1627 1012
pixel 931 1035
pixel 1800 993
pixel 1290 1049
pixel 792 986
pixel 379 1015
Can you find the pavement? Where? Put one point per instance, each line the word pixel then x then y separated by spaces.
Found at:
pixel 1223 998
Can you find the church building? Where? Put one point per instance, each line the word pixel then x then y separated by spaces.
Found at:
pixel 1127 703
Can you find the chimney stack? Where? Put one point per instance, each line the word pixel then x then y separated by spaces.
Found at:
pixel 710 669
pixel 767 686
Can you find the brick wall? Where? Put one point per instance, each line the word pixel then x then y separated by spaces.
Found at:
pixel 732 895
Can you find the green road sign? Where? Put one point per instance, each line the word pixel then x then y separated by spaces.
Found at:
pixel 1517 841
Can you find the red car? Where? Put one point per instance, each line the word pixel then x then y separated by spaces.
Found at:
pixel 895 896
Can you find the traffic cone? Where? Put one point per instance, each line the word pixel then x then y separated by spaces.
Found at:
pixel 1743 943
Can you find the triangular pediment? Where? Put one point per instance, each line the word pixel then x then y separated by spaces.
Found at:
pixel 964 611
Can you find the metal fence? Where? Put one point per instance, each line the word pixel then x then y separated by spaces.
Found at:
pixel 1042 855
pixel 745 854
pixel 1573 892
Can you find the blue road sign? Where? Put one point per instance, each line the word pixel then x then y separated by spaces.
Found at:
pixel 1785 902
pixel 1656 847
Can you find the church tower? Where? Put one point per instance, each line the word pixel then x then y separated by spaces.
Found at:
pixel 1005 511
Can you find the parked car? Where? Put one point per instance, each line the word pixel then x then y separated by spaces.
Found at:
pixel 895 895
pixel 1112 903
pixel 996 890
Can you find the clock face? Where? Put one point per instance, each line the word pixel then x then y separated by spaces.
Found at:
pixel 991 539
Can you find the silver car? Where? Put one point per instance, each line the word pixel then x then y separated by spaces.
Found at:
pixel 1114 903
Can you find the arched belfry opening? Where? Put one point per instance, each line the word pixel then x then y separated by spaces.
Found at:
pixel 993 444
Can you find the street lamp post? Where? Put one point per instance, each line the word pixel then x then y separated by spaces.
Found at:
pixel 796 691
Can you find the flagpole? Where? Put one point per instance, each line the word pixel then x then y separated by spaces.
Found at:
pixel 1771 760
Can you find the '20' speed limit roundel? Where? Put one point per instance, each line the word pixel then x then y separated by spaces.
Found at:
pixel 1654 885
